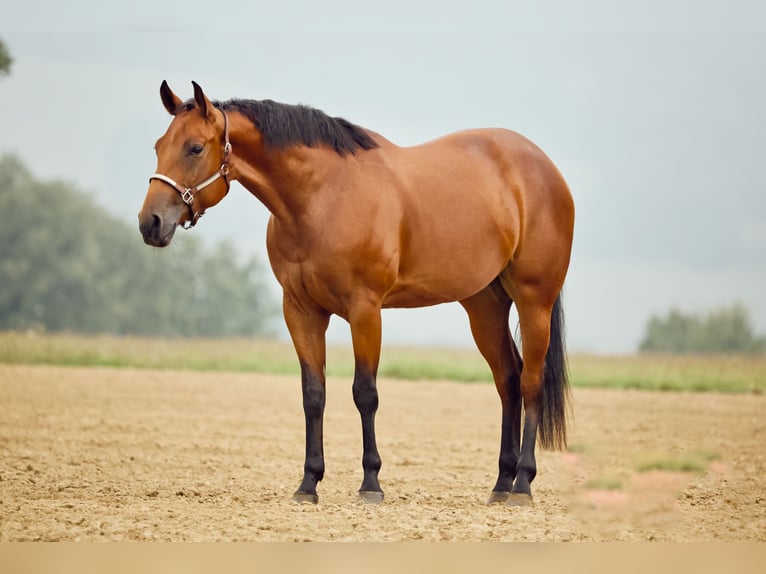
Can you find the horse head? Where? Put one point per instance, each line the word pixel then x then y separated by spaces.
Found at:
pixel 192 167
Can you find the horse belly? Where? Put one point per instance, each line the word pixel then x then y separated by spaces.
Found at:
pixel 445 269
pixel 457 235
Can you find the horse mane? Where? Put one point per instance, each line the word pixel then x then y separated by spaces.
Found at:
pixel 286 125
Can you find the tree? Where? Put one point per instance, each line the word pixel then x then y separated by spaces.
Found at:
pixel 66 264
pixel 5 60
pixel 722 330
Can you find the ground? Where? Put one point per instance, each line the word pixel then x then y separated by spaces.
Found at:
pixel 118 454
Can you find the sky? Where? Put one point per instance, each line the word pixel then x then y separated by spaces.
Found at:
pixel 653 111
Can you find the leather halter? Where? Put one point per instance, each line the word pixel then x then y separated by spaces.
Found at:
pixel 188 194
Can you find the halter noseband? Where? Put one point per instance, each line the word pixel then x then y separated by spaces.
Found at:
pixel 188 194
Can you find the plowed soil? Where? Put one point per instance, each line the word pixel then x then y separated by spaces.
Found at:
pixel 118 454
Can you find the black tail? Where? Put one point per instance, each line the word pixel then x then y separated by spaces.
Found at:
pixel 552 425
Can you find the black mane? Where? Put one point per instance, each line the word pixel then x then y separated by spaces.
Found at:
pixel 285 125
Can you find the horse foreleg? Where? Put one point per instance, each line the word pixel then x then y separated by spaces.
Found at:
pixel 365 324
pixel 307 329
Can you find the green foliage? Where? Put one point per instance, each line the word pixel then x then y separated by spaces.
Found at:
pixel 724 330
pixel 5 60
pixel 67 265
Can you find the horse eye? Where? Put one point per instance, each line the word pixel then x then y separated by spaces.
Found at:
pixel 195 149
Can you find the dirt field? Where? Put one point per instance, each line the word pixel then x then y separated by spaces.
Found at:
pixel 101 454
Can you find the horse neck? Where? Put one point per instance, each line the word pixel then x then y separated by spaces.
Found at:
pixel 284 180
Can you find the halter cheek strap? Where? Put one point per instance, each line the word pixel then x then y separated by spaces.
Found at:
pixel 189 194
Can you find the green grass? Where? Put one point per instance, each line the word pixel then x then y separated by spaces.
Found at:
pixel 604 483
pixel 577 448
pixel 698 373
pixel 695 461
pixel 734 374
pixel 137 352
pixel 248 355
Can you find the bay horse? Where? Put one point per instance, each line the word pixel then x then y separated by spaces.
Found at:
pixel 357 224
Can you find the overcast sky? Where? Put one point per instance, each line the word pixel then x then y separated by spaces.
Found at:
pixel 653 111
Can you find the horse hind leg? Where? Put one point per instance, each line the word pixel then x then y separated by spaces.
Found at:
pixel 544 386
pixel 488 313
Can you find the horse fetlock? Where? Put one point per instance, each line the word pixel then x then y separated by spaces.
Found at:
pixel 528 470
pixel 371 462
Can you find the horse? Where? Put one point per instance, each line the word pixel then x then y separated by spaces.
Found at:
pixel 482 217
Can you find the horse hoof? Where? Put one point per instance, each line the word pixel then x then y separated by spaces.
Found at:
pixel 371 496
pixel 519 499
pixel 498 497
pixel 306 497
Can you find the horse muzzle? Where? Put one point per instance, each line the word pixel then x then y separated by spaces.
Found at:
pixel 156 230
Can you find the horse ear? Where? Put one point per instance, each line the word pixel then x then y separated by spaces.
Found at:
pixel 204 105
pixel 169 99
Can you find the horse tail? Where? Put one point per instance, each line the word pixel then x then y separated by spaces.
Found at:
pixel 552 410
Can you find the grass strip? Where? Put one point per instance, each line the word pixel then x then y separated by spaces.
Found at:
pixel 730 374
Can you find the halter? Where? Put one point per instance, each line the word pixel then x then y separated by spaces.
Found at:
pixel 189 193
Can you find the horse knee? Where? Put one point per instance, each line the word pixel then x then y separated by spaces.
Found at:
pixel 314 396
pixel 365 393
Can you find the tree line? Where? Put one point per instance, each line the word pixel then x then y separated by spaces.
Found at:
pixel 723 330
pixel 66 264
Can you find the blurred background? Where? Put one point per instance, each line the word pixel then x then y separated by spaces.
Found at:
pixel 653 111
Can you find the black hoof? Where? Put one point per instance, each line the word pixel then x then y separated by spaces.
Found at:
pixel 498 497
pixel 519 499
pixel 305 497
pixel 371 496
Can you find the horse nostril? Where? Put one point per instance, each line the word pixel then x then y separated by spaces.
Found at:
pixel 153 228
pixel 150 225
